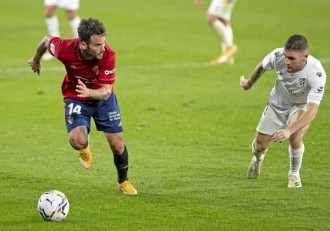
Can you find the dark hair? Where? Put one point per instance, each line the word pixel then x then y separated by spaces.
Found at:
pixel 296 42
pixel 89 27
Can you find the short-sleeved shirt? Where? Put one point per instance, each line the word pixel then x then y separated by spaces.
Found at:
pixel 292 89
pixel 92 73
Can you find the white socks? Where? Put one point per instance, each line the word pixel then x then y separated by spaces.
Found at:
pixel 296 156
pixel 74 23
pixel 53 26
pixel 225 33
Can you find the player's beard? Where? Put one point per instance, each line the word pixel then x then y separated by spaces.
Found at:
pixel 289 69
pixel 99 56
pixel 95 54
pixel 90 54
pixel 295 67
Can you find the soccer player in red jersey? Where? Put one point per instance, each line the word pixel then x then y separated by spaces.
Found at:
pixel 88 92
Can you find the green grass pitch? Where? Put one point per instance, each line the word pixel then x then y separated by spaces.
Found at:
pixel 188 125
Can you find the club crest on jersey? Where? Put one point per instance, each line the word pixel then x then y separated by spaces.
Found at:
pixel 302 81
pixel 96 70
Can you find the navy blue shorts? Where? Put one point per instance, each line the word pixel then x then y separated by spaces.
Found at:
pixel 106 114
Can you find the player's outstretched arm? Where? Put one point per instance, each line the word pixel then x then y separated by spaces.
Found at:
pixel 34 62
pixel 257 73
pixel 244 83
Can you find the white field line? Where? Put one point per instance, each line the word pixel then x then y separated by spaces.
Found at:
pixel 28 70
pixel 324 60
pixel 164 66
pixel 121 68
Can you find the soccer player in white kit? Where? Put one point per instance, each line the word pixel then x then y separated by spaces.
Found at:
pixel 292 106
pixel 218 17
pixel 53 26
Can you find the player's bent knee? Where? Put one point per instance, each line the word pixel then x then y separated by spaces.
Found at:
pixel 78 144
pixel 297 136
pixel 117 148
pixel 260 147
pixel 295 141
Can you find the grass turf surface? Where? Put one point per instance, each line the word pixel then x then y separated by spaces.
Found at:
pixel 188 125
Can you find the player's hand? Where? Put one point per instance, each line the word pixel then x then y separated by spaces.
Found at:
pixel 35 66
pixel 281 135
pixel 244 83
pixel 82 90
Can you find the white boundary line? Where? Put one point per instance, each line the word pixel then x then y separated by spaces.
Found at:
pixel 324 60
pixel 164 66
pixel 122 68
pixel 27 70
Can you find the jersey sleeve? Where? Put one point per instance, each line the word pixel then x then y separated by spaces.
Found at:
pixel 317 83
pixel 107 72
pixel 54 45
pixel 268 63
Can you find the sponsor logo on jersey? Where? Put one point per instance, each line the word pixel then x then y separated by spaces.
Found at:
pixel 109 72
pixel 296 93
pixel 319 74
pixel 87 81
pixel 52 48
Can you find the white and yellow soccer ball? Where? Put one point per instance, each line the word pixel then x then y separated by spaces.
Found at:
pixel 53 205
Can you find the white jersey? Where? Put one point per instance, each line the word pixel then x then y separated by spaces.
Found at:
pixel 292 89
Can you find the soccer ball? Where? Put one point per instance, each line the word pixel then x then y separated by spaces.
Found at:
pixel 53 206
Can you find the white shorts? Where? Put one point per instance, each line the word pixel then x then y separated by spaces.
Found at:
pixel 221 8
pixel 274 118
pixel 65 4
